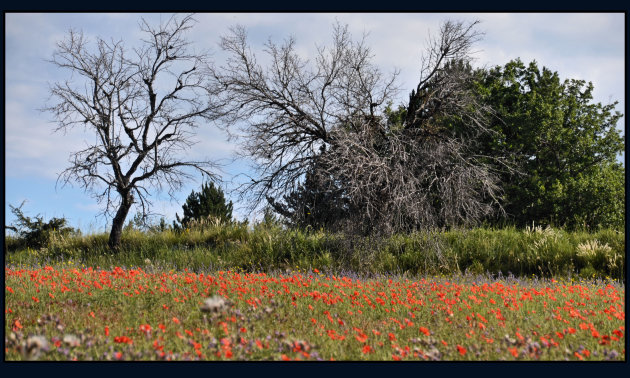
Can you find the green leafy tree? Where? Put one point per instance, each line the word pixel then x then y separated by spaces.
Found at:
pixel 564 144
pixel 210 201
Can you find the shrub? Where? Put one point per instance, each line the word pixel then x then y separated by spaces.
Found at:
pixel 36 233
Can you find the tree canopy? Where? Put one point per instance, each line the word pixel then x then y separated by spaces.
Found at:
pixel 565 145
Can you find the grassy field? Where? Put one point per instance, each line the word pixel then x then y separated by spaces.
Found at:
pixel 544 252
pixel 241 292
pixel 72 312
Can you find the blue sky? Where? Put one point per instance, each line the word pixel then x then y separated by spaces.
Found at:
pixel 588 46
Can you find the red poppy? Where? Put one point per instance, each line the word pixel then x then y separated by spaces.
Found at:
pixel 123 340
pixel 513 351
pixel 461 349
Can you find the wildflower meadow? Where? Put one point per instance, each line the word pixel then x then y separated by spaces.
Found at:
pixel 121 314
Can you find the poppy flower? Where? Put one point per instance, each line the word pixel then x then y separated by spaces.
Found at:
pixel 461 350
pixel 514 352
pixel 361 337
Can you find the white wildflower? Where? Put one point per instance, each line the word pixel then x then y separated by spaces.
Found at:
pixel 214 304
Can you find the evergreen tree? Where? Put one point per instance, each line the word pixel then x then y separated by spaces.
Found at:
pixel 209 201
pixel 319 202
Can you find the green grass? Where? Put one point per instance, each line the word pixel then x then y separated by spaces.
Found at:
pixel 541 252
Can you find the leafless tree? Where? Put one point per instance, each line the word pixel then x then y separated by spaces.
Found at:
pixel 444 89
pixel 330 122
pixel 142 108
pixel 410 182
pixel 427 172
pixel 290 107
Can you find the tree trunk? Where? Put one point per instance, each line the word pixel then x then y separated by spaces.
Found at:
pixel 119 221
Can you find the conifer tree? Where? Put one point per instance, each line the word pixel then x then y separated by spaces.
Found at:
pixel 209 201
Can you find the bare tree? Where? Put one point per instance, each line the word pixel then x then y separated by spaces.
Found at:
pixel 290 107
pixel 423 172
pixel 142 107
pixel 444 89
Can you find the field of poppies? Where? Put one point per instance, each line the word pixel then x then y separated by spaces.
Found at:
pixel 64 312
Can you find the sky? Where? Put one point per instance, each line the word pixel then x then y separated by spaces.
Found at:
pixel 586 46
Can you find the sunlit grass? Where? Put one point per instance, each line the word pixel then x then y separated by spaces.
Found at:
pixel 542 252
